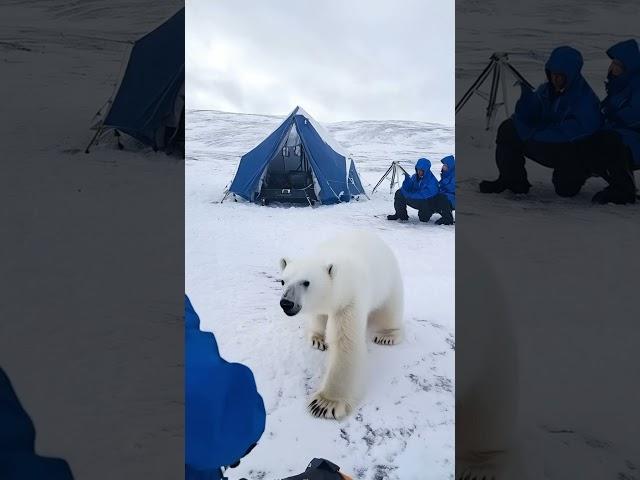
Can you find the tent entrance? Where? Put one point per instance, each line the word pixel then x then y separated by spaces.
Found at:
pixel 289 177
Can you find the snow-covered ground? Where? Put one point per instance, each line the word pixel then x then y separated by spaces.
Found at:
pixel 74 340
pixel 566 265
pixel 404 428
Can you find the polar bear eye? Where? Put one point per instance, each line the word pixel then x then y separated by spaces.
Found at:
pixel 306 283
pixel 282 282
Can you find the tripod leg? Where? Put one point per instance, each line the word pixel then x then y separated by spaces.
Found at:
pixel 505 100
pixel 518 75
pixel 382 179
pixel 475 85
pixel 491 107
pixel 393 177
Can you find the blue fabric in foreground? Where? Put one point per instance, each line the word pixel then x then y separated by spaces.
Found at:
pixel 18 460
pixel 224 414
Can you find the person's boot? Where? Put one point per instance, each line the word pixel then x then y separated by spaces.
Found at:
pixel 520 187
pixel 395 216
pixel 424 216
pixel 609 195
pixel 499 186
pixel 445 221
pixel 492 186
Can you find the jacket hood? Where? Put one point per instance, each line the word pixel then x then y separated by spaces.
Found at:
pixel 423 164
pixel 628 53
pixel 450 162
pixel 567 61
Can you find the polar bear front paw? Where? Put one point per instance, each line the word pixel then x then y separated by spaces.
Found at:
pixel 317 341
pixel 386 338
pixel 322 407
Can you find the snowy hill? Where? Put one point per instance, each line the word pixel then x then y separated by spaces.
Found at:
pixel 404 428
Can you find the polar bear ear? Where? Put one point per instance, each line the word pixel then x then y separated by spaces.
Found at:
pixel 330 270
pixel 283 263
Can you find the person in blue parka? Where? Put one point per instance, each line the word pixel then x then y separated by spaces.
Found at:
pixel 418 191
pixel 552 126
pixel 446 198
pixel 224 414
pixel 621 106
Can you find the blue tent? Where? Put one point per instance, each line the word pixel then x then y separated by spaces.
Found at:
pixel 299 161
pixel 149 103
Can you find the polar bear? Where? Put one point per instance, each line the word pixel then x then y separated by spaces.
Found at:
pixel 348 283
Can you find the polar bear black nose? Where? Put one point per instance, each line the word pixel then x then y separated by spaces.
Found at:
pixel 286 304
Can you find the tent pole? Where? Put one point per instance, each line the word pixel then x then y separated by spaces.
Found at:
pixel 363 190
pixel 98 132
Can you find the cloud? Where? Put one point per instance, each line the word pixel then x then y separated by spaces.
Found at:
pixel 359 59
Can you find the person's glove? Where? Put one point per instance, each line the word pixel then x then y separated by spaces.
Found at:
pixel 529 106
pixel 615 103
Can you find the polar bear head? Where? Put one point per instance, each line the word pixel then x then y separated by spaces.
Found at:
pixel 307 285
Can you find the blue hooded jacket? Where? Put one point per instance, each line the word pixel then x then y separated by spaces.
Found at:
pixel 447 182
pixel 545 116
pixel 415 188
pixel 621 107
pixel 224 414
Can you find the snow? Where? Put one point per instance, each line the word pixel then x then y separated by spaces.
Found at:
pixel 561 261
pixel 404 428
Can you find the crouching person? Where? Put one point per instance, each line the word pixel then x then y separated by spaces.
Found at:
pixel 418 191
pixel 551 126
pixel 621 110
pixel 445 201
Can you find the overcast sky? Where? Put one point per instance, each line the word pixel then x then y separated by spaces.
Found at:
pixel 338 59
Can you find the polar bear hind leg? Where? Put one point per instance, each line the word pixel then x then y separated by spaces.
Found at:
pixel 386 321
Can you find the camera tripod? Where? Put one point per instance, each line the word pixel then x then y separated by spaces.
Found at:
pixel 394 171
pixel 498 67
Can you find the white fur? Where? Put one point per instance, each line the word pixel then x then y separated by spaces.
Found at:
pixel 354 280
